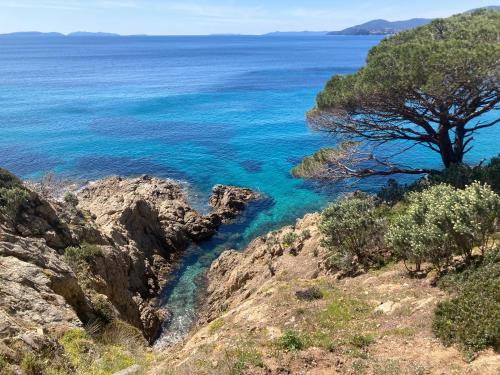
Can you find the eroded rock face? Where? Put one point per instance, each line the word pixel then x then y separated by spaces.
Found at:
pixel 234 276
pixel 39 294
pixel 149 223
pixel 229 201
pixel 140 227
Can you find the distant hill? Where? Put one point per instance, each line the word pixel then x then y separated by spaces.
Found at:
pixel 384 27
pixel 297 33
pixel 30 34
pixel 86 33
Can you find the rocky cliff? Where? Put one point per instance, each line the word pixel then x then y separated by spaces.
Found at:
pixel 102 254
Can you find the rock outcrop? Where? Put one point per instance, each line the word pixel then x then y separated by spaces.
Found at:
pixel 126 234
pixel 148 223
pixel 229 201
pixel 39 295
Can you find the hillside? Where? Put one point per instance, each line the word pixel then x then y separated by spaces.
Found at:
pixel 276 309
pixel 382 27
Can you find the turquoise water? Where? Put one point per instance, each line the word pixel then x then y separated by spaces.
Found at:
pixel 205 110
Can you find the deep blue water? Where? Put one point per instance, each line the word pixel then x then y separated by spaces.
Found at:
pixel 205 110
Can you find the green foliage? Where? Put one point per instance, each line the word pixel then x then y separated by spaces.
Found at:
pixel 462 175
pixel 8 180
pixel 362 341
pixel 32 365
pixel 392 192
pixel 243 358
pixel 11 200
pixel 79 257
pixel 352 231
pixel 443 221
pixel 119 346
pixel 435 59
pixel 317 165
pixel 309 294
pixel 215 325
pixel 305 234
pixel 71 199
pixel 290 341
pixel 102 308
pixel 472 318
pixel 423 85
pixel 289 238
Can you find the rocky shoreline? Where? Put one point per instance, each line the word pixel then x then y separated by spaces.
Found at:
pixel 103 253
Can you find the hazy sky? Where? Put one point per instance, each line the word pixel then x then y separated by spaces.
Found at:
pixel 213 16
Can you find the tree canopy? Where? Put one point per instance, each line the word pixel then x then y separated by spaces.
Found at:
pixel 428 86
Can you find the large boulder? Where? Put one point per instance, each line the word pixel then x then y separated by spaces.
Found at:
pixel 229 201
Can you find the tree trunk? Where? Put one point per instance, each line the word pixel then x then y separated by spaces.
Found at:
pixel 451 153
pixel 445 147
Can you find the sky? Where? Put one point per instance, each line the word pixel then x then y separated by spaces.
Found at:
pixel 199 17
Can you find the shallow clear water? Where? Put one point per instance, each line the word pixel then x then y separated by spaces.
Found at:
pixel 205 110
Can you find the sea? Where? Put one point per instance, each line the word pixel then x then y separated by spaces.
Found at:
pixel 202 110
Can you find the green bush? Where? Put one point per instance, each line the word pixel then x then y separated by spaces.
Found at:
pixel 462 175
pixel 78 257
pixel 289 238
pixel 352 231
pixel 443 221
pixel 242 358
pixel 11 200
pixel 392 192
pixel 290 341
pixel 472 318
pixel 32 365
pixel 71 199
pixel 309 294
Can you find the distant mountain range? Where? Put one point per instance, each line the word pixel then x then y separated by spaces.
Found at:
pixel 32 34
pixel 374 27
pixel 383 27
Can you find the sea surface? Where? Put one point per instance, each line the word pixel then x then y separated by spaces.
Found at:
pixel 204 110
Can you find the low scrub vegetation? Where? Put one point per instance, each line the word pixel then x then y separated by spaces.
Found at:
pixel 471 318
pixel 12 195
pixel 353 232
pixel 443 221
pixel 78 257
pixel 290 341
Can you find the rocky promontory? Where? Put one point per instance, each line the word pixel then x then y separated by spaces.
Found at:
pixel 102 253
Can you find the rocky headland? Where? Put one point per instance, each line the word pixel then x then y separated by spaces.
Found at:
pixel 96 255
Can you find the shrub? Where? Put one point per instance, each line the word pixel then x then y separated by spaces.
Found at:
pixel 215 325
pixel 362 341
pixel 309 294
pixel 11 200
pixel 352 231
pixel 78 257
pixel 443 221
pixel 32 365
pixel 472 318
pixel 289 238
pixel 241 358
pixel 305 234
pixel 392 192
pixel 290 341
pixel 462 175
pixel 71 199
